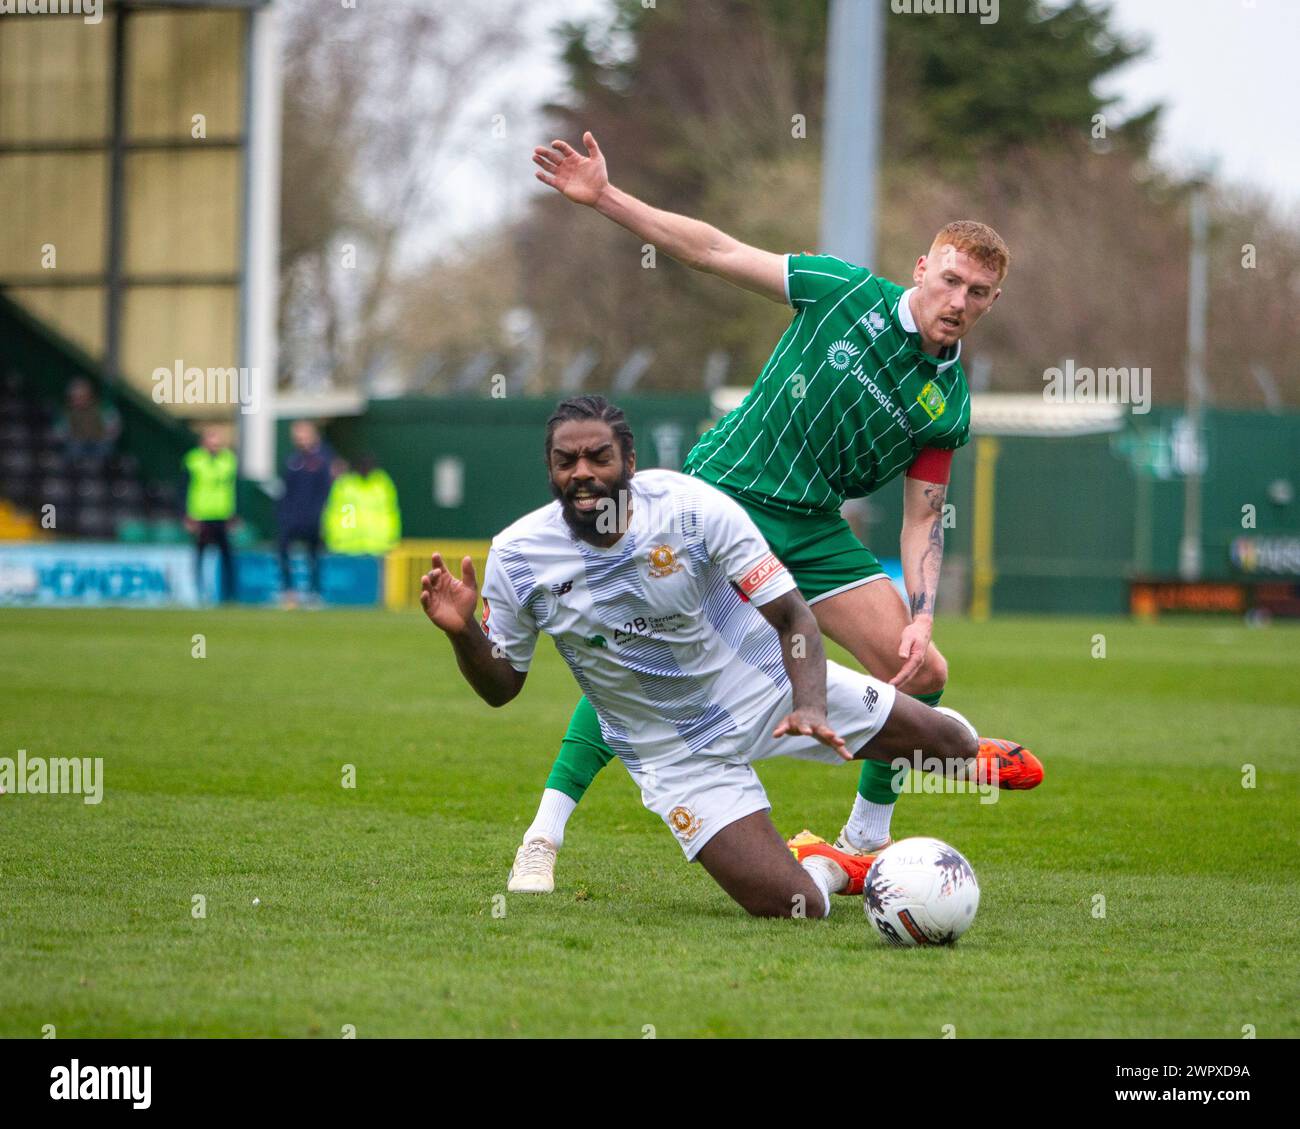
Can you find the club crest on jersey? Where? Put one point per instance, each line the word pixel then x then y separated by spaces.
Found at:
pixel 931 399
pixel 684 821
pixel 663 561
pixel 841 354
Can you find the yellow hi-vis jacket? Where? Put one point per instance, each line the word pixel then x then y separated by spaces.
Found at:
pixel 210 495
pixel 361 514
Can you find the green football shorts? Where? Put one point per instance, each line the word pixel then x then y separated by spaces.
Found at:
pixel 820 550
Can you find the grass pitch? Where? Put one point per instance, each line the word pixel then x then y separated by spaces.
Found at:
pixel 381 906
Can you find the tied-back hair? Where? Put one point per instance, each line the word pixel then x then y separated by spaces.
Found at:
pixel 592 407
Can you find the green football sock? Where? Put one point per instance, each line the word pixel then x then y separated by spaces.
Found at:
pixel 876 780
pixel 583 753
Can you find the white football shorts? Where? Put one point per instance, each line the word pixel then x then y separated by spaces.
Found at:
pixel 701 794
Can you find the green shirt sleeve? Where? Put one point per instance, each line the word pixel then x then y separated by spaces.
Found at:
pixel 809 278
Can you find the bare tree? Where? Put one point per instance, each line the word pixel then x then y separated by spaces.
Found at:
pixel 377 99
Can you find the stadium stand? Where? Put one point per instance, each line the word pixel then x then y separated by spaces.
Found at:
pixel 93 498
pixel 131 494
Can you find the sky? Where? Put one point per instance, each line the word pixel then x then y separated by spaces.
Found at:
pixel 1226 71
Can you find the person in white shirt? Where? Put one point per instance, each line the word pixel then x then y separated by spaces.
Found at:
pixel 699 655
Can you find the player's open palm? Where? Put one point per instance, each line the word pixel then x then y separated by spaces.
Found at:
pixel 449 603
pixel 581 179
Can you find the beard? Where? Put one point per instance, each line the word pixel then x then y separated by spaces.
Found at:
pixel 601 520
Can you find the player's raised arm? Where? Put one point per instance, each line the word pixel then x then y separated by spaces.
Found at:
pixel 450 604
pixel 698 245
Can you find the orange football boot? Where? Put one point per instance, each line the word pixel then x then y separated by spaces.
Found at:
pixel 855 866
pixel 1007 765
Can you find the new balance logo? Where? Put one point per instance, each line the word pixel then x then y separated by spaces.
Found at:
pixel 870 698
pixel 562 589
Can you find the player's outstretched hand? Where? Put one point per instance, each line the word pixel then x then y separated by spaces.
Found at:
pixel 449 603
pixel 809 723
pixel 581 179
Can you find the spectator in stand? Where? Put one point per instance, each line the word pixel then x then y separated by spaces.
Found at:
pixel 88 429
pixel 307 478
pixel 211 471
pixel 362 516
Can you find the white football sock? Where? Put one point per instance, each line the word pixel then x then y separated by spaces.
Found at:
pixel 868 826
pixel 829 877
pixel 552 814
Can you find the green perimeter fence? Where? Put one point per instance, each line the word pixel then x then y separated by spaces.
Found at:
pixel 1073 518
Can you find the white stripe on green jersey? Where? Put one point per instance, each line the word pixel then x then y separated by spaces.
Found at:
pixel 844 404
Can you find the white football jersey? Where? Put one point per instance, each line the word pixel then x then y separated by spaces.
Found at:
pixel 655 628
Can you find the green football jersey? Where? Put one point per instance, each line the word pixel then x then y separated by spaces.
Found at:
pixel 845 402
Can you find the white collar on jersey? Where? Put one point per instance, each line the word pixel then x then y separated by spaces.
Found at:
pixel 908 322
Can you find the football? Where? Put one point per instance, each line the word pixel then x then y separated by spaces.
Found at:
pixel 921 892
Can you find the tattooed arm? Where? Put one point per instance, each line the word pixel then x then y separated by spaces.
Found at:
pixel 921 548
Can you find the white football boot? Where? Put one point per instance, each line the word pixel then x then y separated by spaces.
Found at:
pixel 842 844
pixel 534 869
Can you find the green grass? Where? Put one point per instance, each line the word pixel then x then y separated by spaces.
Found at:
pixel 222 778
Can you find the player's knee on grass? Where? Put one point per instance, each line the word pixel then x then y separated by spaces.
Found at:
pixel 796 900
pixel 752 863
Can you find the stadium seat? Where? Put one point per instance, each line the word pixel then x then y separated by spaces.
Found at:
pixel 93 521
pixel 123 466
pixel 91 490
pixel 18 489
pixel 16 461
pixel 56 489
pixel 126 491
pixel 169 531
pixel 133 531
pixel 16 434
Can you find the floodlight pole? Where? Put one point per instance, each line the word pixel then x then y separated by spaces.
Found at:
pixel 1189 554
pixel 259 343
pixel 855 58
